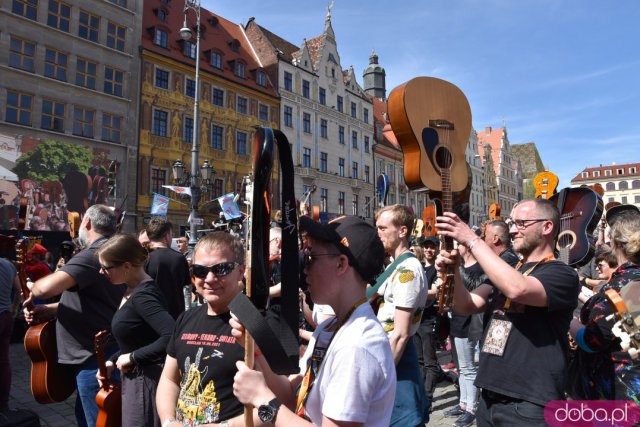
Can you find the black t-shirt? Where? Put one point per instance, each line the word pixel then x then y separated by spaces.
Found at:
pixel 534 365
pixel 86 308
pixel 170 270
pixel 143 325
pixel 206 354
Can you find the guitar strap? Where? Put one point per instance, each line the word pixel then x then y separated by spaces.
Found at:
pixel 387 272
pixel 280 347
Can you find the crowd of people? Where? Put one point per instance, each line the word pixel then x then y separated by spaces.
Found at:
pixel 370 326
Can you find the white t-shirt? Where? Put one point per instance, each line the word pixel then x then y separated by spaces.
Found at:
pixel 357 379
pixel 321 310
pixel 405 287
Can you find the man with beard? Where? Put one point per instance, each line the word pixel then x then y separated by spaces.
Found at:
pixel 87 304
pixel 527 314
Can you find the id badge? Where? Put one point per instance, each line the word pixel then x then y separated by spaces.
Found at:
pixel 497 334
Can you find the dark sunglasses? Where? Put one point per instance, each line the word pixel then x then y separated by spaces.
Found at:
pixel 308 257
pixel 219 270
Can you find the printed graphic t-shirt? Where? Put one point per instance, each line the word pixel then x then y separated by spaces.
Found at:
pixel 206 354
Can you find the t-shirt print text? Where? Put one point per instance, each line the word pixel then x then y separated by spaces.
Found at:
pixel 211 340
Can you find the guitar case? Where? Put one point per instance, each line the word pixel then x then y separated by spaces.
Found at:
pixel 19 418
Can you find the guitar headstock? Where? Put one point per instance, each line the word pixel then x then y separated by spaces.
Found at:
pixel 626 305
pixel 74 224
pixel 100 341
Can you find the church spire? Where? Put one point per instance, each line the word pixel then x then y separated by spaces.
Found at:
pixel 328 29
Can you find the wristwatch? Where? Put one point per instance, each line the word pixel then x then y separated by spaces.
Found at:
pixel 267 413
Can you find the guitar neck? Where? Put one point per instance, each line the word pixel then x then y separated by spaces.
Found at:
pixel 447 202
pixel 100 341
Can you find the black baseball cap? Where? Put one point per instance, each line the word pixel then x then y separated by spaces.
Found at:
pixel 616 212
pixel 355 238
pixel 431 239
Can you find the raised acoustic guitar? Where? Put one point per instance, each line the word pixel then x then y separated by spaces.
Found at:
pixel 109 397
pixel 545 184
pixel 51 382
pixel 429 214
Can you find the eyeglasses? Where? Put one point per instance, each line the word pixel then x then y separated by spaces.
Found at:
pixel 308 257
pixel 602 265
pixel 219 270
pixel 521 224
pixel 106 268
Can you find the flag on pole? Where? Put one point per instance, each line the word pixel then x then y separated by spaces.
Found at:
pixel 159 205
pixel 179 190
pixel 229 206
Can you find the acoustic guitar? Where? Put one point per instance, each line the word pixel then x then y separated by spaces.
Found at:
pixel 109 397
pixel 626 306
pixel 426 104
pixel 431 120
pixel 494 211
pixel 74 224
pixel 429 214
pixel 545 184
pixel 580 211
pixel 51 382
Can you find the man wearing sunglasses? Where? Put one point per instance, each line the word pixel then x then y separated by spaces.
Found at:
pixel 196 386
pixel 527 314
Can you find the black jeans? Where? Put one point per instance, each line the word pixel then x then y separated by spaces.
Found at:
pixel 425 342
pixel 499 410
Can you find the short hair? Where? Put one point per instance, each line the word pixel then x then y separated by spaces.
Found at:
pixel 182 239
pixel 546 209
pixel 158 227
pixel 606 254
pixel 221 240
pixel 123 248
pixel 103 219
pixel 501 229
pixel 401 215
pixel 625 235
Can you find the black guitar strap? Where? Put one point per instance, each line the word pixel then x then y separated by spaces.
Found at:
pixel 280 347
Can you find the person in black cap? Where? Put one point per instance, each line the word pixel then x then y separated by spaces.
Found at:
pixel 350 376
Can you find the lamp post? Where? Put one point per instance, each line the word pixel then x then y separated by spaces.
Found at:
pixel 185 34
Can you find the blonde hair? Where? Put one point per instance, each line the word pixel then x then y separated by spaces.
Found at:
pixel 401 216
pixel 625 235
pixel 221 240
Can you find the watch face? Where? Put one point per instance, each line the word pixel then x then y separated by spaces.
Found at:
pixel 266 413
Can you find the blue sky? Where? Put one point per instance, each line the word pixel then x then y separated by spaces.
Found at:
pixel 563 74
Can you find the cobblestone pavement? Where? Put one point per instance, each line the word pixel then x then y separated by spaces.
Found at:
pixel 62 414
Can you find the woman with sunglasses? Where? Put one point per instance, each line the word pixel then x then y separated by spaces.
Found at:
pixel 142 327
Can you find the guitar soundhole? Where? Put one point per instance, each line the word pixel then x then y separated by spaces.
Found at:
pixel 566 240
pixel 443 158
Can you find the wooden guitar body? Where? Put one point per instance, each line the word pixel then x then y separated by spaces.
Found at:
pixel 494 211
pixel 580 211
pixel 429 214
pixel 51 382
pixel 109 403
pixel 545 184
pixel 424 104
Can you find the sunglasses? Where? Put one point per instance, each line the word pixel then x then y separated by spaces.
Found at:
pixel 219 270
pixel 308 257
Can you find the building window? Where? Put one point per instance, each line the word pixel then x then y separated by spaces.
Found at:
pixel 19 106
pixel 52 115
pixel 59 15
pixel 261 78
pixel 367 206
pixel 323 128
pixel 288 116
pixel 306 157
pixel 340 202
pixel 187 129
pixel 354 170
pixel 162 79
pixel 88 26
pixel 306 90
pixel 323 96
pixel 158 179
pixel 390 173
pixel 218 185
pixel 367 174
pixel 189 49
pixel 623 185
pixel 216 137
pixel 341 134
pixel 354 139
pixel 111 127
pixel 366 144
pixel 612 199
pixel 624 200
pixel 83 121
pixel 620 171
pixel 610 186
pixel 242 105
pixel 122 3
pixel 55 64
pixel 263 112
pixel 323 162
pixel 354 205
pixel 288 81
pixel 238 69
pixel 86 73
pixel 218 97
pixel 190 88
pixel 635 184
pixel 324 197
pixel 354 111
pixel 113 81
pixel 116 36
pixel 607 172
pixel 159 126
pixel 636 199
pixel 216 60
pixel 162 15
pixel 22 54
pixel 306 122
pixel 340 106
pixel 241 143
pixel 585 174
pixel 160 38
pixel 341 166
pixel 366 115
pixel 26 8
pixel 596 174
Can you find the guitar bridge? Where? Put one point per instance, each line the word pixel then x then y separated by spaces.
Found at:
pixel 441 124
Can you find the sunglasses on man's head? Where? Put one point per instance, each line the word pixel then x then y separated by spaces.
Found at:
pixel 219 270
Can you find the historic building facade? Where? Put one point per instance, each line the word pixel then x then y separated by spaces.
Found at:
pixel 531 162
pixel 621 183
pixel 504 168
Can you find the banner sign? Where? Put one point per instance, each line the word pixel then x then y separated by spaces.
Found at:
pixel 229 206
pixel 159 205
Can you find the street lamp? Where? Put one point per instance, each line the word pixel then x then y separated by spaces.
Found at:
pixel 185 34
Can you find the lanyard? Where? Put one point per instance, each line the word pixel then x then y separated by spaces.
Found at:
pixel 549 257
